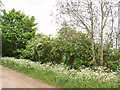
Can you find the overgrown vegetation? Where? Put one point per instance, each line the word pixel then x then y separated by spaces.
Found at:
pixel 70 47
pixel 84 56
pixel 63 77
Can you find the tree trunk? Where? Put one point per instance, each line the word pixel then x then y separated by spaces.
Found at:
pixel 101 34
pixel 101 49
pixel 93 54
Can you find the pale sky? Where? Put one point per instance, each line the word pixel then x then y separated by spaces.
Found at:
pixel 41 9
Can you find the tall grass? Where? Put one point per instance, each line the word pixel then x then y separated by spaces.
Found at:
pixel 63 77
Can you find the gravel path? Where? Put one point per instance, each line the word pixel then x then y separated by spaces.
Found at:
pixel 12 79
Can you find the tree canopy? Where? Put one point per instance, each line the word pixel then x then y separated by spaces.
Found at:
pixel 17 29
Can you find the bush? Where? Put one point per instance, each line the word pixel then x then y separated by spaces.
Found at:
pixel 38 48
pixel 111 58
pixel 70 47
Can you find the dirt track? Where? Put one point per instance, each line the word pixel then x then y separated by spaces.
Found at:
pixel 12 79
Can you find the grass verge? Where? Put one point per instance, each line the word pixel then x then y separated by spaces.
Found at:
pixel 61 77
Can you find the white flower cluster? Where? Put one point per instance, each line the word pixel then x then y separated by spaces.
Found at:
pixel 99 73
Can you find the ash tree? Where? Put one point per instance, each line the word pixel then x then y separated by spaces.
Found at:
pixel 17 29
pixel 96 18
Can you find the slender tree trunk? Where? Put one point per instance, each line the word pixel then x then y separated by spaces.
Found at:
pixel 101 34
pixel 101 49
pixel 92 32
pixel 116 43
pixel 93 53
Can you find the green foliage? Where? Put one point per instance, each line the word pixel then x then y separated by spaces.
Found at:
pixel 111 58
pixel 38 48
pixel 17 29
pixel 71 47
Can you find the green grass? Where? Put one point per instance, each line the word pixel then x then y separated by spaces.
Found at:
pixel 49 74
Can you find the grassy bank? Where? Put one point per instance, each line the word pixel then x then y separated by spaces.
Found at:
pixel 60 76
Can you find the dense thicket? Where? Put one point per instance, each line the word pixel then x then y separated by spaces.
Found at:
pixel 69 47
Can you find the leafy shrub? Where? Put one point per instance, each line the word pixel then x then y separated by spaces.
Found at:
pixel 70 47
pixel 38 48
pixel 111 58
